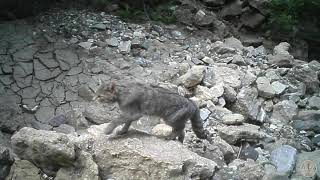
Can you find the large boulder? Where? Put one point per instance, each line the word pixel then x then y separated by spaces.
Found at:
pixel 47 149
pixel 142 156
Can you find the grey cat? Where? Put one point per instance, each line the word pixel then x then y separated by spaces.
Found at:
pixel 137 99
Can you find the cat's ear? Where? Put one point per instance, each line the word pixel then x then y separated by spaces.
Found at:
pixel 113 86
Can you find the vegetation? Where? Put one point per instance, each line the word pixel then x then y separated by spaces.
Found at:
pixel 287 15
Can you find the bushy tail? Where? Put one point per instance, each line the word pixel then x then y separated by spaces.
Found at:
pixel 197 124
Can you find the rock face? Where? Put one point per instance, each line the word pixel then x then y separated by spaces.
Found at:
pixel 45 148
pixel 139 157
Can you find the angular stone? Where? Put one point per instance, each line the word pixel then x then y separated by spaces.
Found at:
pixel 281 60
pixel 113 42
pixel 65 129
pixel 234 43
pixel 314 102
pixel 233 119
pixel 264 88
pixel 247 132
pixel 161 130
pixel 232 9
pixel 24 170
pixel 44 114
pixel 247 103
pixel 125 46
pixel 204 113
pixel 281 48
pixel 57 150
pixel 58 120
pixel 284 158
pixel 100 26
pixel 284 110
pixel 86 169
pixel 193 77
pixel 85 45
pixel 229 94
pixel 248 169
pixel 226 75
pixel 278 87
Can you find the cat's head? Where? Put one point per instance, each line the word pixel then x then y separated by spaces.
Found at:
pixel 106 93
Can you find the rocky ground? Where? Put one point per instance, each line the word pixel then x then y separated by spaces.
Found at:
pixel 262 107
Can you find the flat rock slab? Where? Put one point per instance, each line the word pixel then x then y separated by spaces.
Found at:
pixel 142 156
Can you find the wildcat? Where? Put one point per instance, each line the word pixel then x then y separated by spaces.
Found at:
pixel 137 99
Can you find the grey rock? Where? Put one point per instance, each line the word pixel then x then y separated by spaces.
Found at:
pixel 248 79
pixel 233 119
pixel 143 62
pixel 281 60
pixel 234 134
pixel 125 46
pixel 284 110
pixel 314 102
pixel 247 103
pixel 218 112
pixel 65 129
pixel 310 125
pixel 314 65
pixel 177 35
pixel 113 42
pixel 85 168
pixel 204 113
pixel 99 113
pixel 282 48
pixel 85 45
pixel 99 26
pixel 232 9
pixel 248 169
pixel 238 60
pixel 260 5
pixel 229 94
pixel 204 18
pixel 58 120
pixel 248 152
pixel 58 93
pixel 316 140
pixel 284 158
pixel 57 150
pixel 252 19
pixel 278 87
pixel 76 120
pixel 44 114
pixel 304 74
pixel 234 43
pixel 41 126
pixel 264 88
pixel 85 93
pixel 215 75
pixel 24 170
pixel 161 130
pixel 193 77
pixel 138 148
pixel 307 165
